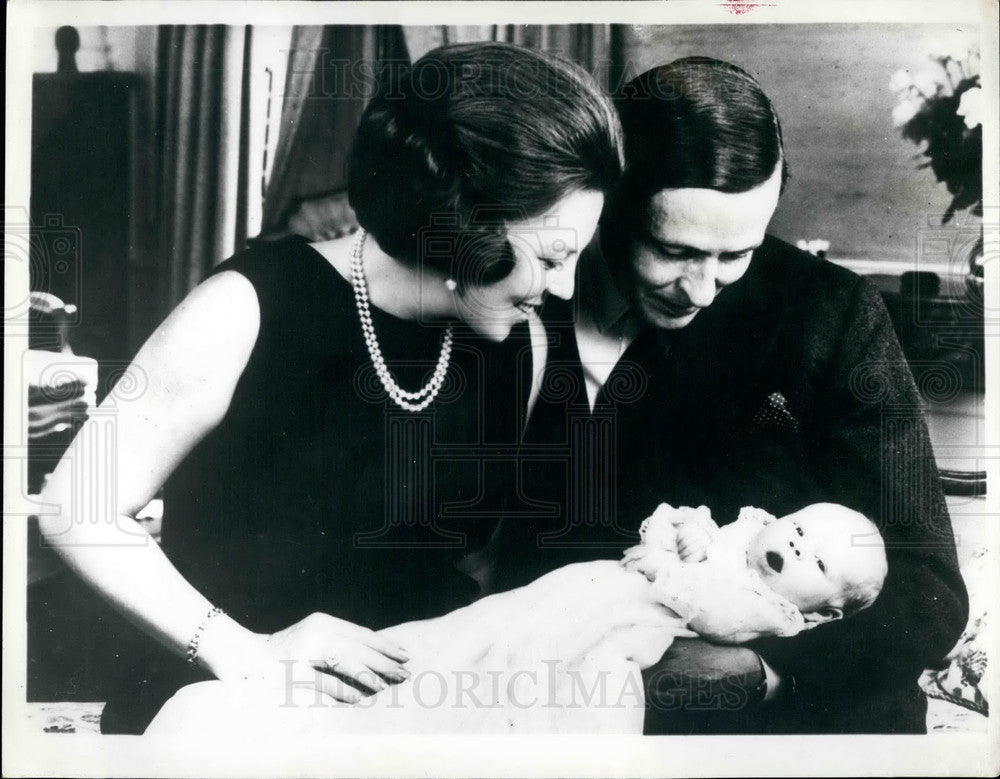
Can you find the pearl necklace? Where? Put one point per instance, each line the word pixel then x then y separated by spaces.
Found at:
pixel 423 397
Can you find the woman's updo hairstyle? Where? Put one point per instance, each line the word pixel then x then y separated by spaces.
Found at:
pixel 472 137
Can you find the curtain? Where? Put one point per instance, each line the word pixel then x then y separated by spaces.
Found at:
pixel 329 68
pixel 589 45
pixel 330 75
pixel 198 138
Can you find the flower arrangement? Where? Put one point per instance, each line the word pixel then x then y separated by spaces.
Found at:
pixel 941 107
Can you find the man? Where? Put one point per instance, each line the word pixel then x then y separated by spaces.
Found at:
pixel 709 363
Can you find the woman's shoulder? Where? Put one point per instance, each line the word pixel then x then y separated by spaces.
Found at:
pixel 283 262
pixel 293 282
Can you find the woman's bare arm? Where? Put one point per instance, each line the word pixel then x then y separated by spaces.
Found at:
pixel 124 453
pixel 189 369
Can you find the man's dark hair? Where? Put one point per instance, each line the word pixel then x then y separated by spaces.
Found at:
pixel 696 123
pixel 701 123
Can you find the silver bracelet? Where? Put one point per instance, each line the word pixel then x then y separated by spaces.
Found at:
pixel 192 647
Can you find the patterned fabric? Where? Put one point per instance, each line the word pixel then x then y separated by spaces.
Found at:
pixel 945 717
pixel 775 415
pixel 964 681
pixel 66 717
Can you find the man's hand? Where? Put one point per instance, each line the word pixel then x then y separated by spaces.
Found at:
pixel 697 675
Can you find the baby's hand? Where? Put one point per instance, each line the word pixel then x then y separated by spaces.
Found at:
pixel 669 536
pixel 694 530
pixel 693 539
pixel 650 561
pixel 658 529
pixel 657 548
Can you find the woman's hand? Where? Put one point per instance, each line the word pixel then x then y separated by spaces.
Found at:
pixel 342 660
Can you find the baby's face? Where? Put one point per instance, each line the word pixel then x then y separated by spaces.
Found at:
pixel 811 557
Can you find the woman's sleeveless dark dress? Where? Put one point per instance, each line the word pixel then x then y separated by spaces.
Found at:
pixel 316 492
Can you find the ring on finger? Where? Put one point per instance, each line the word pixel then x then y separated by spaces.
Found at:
pixel 331 662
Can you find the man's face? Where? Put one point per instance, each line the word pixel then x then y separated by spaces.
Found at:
pixel 695 242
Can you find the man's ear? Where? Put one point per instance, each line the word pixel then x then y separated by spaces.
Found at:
pixel 827 614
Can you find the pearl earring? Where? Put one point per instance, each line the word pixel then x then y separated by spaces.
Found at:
pixel 451 284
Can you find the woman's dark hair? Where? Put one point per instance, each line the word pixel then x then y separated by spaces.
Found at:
pixel 470 138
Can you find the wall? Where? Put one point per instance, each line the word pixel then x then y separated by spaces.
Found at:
pixel 854 181
pixel 101 48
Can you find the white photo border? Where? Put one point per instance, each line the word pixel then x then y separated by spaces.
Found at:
pixel 31 754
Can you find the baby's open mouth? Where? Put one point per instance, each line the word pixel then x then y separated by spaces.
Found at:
pixel 775 560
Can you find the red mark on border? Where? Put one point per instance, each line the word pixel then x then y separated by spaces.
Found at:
pixel 740 8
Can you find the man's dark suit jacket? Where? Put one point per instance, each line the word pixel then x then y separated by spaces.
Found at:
pixel 790 389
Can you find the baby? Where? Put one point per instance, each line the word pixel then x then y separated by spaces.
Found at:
pixel 585 627
pixel 760 575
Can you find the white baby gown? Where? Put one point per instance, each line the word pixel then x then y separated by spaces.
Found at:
pixel 563 654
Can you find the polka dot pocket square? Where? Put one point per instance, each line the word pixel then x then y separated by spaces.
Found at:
pixel 775 415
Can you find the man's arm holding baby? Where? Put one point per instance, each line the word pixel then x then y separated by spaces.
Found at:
pixel 874 441
pixel 860 675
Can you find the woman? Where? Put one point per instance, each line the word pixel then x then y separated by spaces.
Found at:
pixel 321 415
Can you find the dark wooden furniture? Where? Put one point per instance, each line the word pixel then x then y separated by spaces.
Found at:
pixel 83 191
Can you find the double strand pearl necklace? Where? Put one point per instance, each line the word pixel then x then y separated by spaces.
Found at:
pixel 411 401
